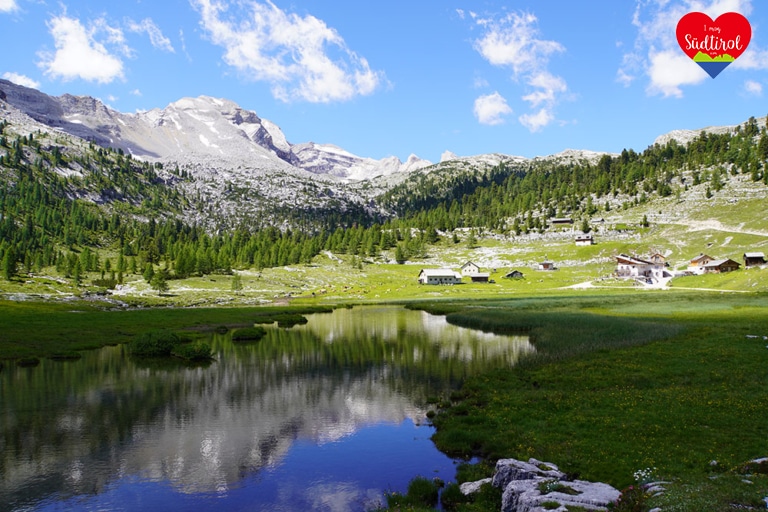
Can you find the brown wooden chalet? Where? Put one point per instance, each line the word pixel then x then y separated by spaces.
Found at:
pixel 698 264
pixel 721 266
pixel 754 259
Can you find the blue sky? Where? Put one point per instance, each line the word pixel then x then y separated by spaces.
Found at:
pixel 521 77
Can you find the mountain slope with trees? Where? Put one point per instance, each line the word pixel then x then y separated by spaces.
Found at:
pixel 82 209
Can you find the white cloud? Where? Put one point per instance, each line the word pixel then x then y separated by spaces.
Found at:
pixel 156 36
pixel 80 55
pixel 657 55
pixel 21 80
pixel 537 121
pixel 301 57
pixel 136 92
pixel 514 42
pixel 8 5
pixel 491 109
pixel 671 69
pixel 753 88
pixel 547 88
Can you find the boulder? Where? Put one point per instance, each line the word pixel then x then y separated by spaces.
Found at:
pixel 527 495
pixel 468 488
pixel 508 470
pixel 529 486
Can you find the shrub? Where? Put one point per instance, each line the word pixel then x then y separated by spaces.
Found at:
pixel 421 493
pixel 291 319
pixel 109 284
pixel 193 352
pixel 249 334
pixel 452 497
pixel 154 343
pixel 632 499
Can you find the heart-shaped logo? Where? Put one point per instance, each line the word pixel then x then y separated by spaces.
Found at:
pixel 713 45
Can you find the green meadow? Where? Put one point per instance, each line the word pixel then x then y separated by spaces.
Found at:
pixel 621 383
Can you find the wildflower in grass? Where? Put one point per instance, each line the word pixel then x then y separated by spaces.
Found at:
pixel 645 476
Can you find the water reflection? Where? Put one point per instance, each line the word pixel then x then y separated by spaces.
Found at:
pixel 241 428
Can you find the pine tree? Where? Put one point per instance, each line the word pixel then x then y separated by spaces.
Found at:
pixel 400 254
pixel 9 264
pixel 237 283
pixel 77 272
pixel 159 281
pixel 149 273
pixel 472 239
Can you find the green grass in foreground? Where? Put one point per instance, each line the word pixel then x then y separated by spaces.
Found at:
pixel 615 389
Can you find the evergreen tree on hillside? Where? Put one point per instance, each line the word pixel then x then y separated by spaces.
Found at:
pixel 159 281
pixel 9 264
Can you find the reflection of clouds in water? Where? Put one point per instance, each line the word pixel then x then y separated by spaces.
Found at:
pixel 208 429
pixel 222 442
pixel 342 497
pixel 228 438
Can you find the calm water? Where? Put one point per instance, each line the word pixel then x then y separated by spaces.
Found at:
pixel 326 416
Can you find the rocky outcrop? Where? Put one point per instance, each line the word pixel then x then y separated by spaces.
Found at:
pixel 536 486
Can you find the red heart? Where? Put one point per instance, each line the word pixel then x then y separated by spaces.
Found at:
pixel 729 34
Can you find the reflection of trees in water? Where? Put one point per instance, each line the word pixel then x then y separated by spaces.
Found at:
pixel 71 427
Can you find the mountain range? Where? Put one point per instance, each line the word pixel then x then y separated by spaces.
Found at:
pixel 208 130
pixel 241 167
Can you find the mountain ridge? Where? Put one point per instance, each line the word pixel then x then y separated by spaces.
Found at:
pixel 193 129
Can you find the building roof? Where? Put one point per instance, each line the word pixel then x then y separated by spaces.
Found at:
pixel 469 263
pixel 633 260
pixel 754 255
pixel 700 257
pixel 719 263
pixel 439 272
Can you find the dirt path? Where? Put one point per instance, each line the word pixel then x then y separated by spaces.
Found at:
pixel 716 225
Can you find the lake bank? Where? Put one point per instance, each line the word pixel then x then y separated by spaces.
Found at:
pixel 603 400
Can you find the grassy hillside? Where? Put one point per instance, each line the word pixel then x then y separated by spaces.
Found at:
pixel 732 222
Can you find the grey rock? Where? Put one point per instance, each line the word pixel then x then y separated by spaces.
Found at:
pixel 468 488
pixel 521 482
pixel 508 470
pixel 525 496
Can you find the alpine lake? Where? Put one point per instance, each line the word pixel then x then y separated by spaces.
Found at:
pixel 330 415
